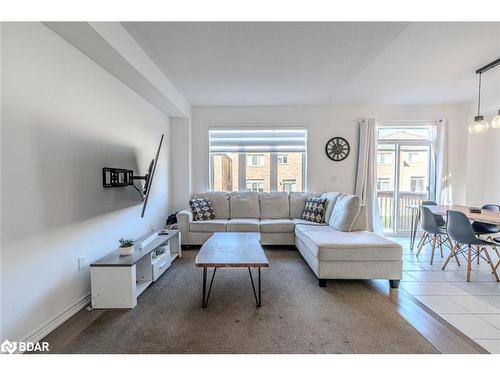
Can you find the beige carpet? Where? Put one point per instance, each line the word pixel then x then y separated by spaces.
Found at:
pixel 296 317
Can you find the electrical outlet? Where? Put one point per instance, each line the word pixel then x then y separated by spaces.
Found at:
pixel 81 263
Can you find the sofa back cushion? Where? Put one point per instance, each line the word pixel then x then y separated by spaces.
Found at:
pixel 244 205
pixel 298 203
pixel 331 197
pixel 345 212
pixel 361 222
pixel 219 201
pixel 274 205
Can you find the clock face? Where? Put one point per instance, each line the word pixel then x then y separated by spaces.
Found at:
pixel 337 148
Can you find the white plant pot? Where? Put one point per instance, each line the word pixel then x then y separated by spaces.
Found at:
pixel 126 250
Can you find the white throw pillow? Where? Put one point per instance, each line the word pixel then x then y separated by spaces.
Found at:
pixel 345 212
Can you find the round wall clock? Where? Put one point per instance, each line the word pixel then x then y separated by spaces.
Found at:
pixel 337 148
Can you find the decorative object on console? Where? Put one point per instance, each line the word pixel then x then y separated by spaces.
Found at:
pixel 314 209
pixel 480 125
pixel 126 247
pixel 337 148
pixel 202 209
pixel 144 242
pixel 474 210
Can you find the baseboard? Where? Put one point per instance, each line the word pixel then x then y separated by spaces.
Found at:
pixel 59 319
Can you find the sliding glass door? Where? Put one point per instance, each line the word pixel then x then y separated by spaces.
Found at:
pixel 404 172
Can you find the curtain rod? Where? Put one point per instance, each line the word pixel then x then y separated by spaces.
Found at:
pixel 489 66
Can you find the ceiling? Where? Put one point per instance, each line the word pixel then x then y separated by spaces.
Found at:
pixel 303 63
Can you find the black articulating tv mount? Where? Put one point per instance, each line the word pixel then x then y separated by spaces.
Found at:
pixel 116 177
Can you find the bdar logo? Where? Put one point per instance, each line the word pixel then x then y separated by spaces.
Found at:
pixel 8 347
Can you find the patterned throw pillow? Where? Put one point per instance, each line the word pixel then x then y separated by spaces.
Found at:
pixel 314 209
pixel 202 209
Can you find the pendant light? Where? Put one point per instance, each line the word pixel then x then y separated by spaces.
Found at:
pixel 495 123
pixel 480 125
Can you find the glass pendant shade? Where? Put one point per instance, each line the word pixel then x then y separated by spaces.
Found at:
pixel 495 123
pixel 479 125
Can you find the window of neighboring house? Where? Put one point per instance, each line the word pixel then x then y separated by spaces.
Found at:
pixel 383 184
pixel 257 159
pixel 384 158
pixel 289 185
pixel 417 184
pixel 255 185
pixel 282 159
pixel 413 156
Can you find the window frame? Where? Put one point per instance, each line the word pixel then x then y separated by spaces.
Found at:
pixel 242 160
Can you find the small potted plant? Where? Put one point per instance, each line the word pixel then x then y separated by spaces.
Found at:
pixel 126 246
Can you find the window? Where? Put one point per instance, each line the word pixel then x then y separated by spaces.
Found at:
pixel 255 185
pixel 383 184
pixel 417 184
pixel 413 156
pixel 384 157
pixel 282 159
pixel 257 159
pixel 289 185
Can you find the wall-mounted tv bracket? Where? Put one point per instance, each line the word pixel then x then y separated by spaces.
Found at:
pixel 117 177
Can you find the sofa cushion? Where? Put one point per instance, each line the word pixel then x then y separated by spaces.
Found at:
pixel 277 226
pixel 274 205
pixel 328 244
pixel 219 201
pixel 216 225
pixel 361 221
pixel 298 202
pixel 244 205
pixel 202 209
pixel 331 198
pixel 314 210
pixel 345 212
pixel 243 225
pixel 306 222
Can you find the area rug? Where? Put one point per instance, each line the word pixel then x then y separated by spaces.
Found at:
pixel 297 316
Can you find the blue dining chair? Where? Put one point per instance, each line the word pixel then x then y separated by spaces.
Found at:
pixel 439 219
pixel 487 229
pixel 466 242
pixel 433 233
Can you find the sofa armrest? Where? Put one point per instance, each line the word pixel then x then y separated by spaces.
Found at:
pixel 184 218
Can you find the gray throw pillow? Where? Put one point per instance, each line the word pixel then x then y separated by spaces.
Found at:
pixel 345 212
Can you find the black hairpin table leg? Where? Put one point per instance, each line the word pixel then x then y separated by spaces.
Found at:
pixel 206 294
pixel 258 294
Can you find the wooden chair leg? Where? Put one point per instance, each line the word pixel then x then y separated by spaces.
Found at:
pixel 449 257
pixel 441 245
pixel 433 248
pixel 478 253
pixel 493 269
pixel 421 243
pixel 469 262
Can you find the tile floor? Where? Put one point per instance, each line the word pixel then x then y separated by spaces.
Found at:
pixel 473 308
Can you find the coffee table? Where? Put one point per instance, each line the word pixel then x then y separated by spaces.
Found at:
pixel 232 250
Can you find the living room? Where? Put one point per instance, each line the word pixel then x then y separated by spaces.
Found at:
pixel 319 167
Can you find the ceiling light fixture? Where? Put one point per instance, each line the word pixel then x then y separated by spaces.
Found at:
pixel 480 125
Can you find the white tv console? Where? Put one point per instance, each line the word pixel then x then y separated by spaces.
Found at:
pixel 117 281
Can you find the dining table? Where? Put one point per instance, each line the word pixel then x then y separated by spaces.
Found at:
pixel 485 216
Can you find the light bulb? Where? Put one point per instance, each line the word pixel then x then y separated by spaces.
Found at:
pixel 495 123
pixel 479 125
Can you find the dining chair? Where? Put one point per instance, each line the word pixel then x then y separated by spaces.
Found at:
pixel 460 231
pixel 434 234
pixel 439 219
pixel 487 229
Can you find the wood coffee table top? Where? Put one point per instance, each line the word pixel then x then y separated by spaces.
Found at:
pixel 232 249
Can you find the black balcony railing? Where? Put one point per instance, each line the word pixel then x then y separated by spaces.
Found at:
pixel 386 207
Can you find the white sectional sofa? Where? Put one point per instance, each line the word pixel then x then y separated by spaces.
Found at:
pixel 331 254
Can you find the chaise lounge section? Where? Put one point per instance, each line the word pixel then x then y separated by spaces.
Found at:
pixel 331 253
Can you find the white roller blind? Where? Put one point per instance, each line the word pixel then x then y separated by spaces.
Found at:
pixel 259 140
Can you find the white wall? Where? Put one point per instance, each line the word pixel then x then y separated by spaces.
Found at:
pixel 180 131
pixel 324 122
pixel 63 119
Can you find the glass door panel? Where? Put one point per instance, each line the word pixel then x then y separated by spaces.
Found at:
pixel 386 163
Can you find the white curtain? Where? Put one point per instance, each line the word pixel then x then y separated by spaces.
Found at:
pixel 366 175
pixel 439 148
